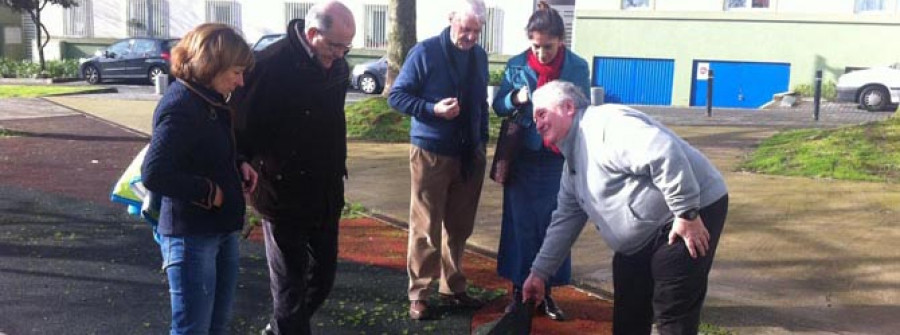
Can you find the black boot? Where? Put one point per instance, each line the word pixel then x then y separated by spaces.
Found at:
pixel 516 297
pixel 549 308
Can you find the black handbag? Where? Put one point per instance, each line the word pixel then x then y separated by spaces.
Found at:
pixel 509 143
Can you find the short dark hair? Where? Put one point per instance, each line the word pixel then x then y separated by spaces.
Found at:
pixel 546 20
pixel 207 50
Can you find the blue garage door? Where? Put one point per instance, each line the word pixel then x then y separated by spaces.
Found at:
pixel 740 84
pixel 636 81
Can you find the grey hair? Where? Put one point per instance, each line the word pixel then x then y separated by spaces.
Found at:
pixel 464 8
pixel 317 18
pixel 557 92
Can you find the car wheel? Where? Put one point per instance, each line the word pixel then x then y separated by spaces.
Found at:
pixel 874 98
pixel 91 74
pixel 368 84
pixel 154 71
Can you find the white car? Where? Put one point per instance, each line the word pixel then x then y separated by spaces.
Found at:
pixel 874 89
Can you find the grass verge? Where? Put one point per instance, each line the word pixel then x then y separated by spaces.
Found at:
pixel 866 152
pixel 8 133
pixel 373 120
pixel 33 91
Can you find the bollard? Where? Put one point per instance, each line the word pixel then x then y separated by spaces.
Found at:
pixel 596 96
pixel 162 83
pixel 709 94
pixel 817 99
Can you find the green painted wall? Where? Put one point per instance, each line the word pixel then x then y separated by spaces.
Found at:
pixel 807 42
pixel 8 18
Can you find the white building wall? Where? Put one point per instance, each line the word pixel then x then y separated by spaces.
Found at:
pixel 778 6
pixel 260 17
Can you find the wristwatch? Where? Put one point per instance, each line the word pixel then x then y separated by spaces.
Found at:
pixel 690 214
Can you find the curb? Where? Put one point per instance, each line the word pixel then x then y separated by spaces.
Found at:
pixel 590 290
pixel 99 90
pixel 89 115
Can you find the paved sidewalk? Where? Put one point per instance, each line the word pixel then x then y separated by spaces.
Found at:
pixel 798 256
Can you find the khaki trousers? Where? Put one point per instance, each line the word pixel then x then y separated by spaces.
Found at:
pixel 441 218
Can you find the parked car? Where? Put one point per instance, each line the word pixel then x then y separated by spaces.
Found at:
pixel 874 89
pixel 369 76
pixel 132 58
pixel 266 40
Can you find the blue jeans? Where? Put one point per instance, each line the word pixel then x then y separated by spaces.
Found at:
pixel 202 271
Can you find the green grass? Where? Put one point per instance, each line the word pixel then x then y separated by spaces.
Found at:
pixel 8 133
pixel 352 210
pixel 708 329
pixel 373 120
pixel 867 152
pixel 32 91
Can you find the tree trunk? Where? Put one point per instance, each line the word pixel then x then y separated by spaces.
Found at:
pixel 401 38
pixel 36 19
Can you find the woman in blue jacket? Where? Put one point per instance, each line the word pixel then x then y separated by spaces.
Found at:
pixel 529 194
pixel 192 164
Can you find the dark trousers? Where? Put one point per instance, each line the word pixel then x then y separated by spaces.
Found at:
pixel 662 281
pixel 302 266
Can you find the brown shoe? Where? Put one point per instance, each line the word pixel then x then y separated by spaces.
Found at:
pixel 418 309
pixel 461 300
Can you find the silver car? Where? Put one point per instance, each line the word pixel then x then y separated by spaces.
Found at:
pixel 369 76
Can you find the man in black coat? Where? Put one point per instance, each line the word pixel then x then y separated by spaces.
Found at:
pixel 291 127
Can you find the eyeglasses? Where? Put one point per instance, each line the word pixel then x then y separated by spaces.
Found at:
pixel 343 48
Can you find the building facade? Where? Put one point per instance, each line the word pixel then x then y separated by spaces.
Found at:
pixel 80 30
pixel 659 52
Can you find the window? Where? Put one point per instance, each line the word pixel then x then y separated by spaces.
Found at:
pixel 746 4
pixel 227 12
pixel 868 6
pixel 492 34
pixel 635 4
pixel 143 47
pixel 77 20
pixel 376 26
pixel 568 13
pixel 120 49
pixel 295 10
pixel 149 18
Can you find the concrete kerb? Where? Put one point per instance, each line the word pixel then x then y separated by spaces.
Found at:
pixel 109 122
pixel 590 290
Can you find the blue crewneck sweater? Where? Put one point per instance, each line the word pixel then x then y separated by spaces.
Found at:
pixel 427 77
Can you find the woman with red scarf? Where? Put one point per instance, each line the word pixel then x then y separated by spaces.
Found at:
pixel 529 193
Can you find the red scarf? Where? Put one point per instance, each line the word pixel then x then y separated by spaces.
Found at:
pixel 547 73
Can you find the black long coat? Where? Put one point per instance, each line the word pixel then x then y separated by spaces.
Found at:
pixel 291 127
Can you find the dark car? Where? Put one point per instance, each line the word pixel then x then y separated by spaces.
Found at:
pixel 132 58
pixel 369 77
pixel 266 40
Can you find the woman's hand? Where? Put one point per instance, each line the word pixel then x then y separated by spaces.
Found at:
pixel 249 177
pixel 521 96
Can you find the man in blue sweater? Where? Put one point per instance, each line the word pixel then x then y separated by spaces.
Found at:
pixel 443 86
pixel 656 201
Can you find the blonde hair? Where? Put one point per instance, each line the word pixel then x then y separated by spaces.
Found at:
pixel 207 50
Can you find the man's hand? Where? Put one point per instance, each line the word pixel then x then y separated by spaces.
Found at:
pixel 448 108
pixel 249 177
pixel 694 234
pixel 533 289
pixel 218 198
pixel 521 96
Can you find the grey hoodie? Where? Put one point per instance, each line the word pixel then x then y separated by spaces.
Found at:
pixel 629 175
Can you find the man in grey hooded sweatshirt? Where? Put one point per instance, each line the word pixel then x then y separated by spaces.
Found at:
pixel 656 201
